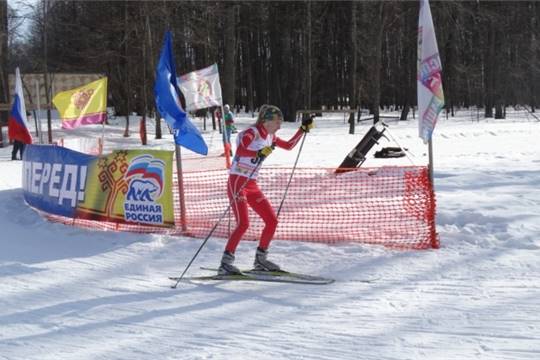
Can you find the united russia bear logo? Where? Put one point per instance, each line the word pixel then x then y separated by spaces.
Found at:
pixel 145 177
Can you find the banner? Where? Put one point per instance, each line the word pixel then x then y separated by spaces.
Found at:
pixel 84 105
pixel 17 122
pixel 168 103
pixel 201 88
pixel 54 178
pixel 429 75
pixel 126 186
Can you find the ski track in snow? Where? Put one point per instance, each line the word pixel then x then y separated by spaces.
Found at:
pixel 69 293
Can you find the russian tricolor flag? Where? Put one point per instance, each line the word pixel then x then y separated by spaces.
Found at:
pixel 17 128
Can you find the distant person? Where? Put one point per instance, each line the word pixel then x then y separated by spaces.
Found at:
pixel 229 123
pixel 253 145
pixel 18 133
pixel 18 147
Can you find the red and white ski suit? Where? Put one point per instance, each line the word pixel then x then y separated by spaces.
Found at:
pixel 243 172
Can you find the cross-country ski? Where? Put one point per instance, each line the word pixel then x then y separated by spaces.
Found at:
pixel 282 277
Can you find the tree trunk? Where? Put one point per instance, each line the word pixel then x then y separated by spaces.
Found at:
pixel 150 57
pixel 308 73
pixel 247 59
pixel 354 74
pixel 377 63
pixel 4 83
pixel 229 76
pixel 404 112
pixel 249 73
pixel 142 125
pixel 499 113
pixel 127 72
pixel 489 76
pixel 46 70
pixel 288 89
pixel 534 58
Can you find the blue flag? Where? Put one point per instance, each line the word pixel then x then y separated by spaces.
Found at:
pixel 168 103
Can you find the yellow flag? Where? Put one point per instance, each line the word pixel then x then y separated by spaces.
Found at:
pixel 84 105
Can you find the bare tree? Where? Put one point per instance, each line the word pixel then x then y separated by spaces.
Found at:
pixel 229 67
pixel 4 85
pixel 295 54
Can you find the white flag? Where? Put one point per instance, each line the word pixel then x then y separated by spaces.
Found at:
pixel 429 76
pixel 201 88
pixel 19 92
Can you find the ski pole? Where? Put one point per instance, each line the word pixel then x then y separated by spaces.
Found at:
pixel 292 173
pixel 215 226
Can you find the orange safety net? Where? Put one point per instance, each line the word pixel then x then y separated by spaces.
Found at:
pixel 390 206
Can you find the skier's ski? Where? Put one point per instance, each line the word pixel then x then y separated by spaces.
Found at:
pixel 297 275
pixel 276 273
pixel 281 277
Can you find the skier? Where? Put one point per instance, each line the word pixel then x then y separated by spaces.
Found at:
pixel 253 145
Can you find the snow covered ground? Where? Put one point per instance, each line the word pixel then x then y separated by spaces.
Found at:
pixel 69 293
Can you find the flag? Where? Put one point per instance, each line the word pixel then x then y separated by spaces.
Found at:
pixel 168 103
pixel 17 124
pixel 201 88
pixel 429 75
pixel 84 105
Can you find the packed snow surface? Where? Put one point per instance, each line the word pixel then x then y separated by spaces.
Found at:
pixel 70 293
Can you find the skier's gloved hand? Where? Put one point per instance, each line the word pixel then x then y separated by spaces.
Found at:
pixel 264 152
pixel 307 124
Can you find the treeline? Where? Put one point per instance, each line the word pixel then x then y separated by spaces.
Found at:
pixel 297 55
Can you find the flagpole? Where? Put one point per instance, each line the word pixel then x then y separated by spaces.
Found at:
pixel 181 196
pixel 429 80
pixel 168 104
pixel 102 136
pixel 430 165
pixel 38 117
pixel 34 113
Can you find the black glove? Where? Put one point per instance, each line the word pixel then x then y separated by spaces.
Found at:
pixel 307 124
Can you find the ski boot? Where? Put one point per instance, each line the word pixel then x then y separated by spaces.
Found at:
pixel 262 264
pixel 226 267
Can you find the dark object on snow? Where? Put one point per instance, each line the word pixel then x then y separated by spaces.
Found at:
pixel 18 147
pixel 390 152
pixel 358 155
